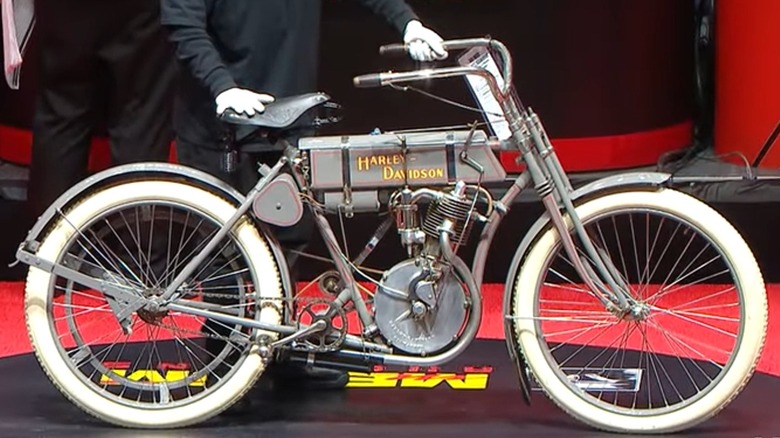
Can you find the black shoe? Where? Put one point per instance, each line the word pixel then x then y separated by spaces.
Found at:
pixel 292 376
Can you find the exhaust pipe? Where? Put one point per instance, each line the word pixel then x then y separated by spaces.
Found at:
pixel 333 360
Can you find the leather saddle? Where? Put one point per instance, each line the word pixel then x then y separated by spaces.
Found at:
pixel 282 113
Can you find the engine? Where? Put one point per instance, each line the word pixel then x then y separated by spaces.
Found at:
pixel 421 304
pixel 431 181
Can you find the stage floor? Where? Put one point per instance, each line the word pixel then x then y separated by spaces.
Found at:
pixel 492 406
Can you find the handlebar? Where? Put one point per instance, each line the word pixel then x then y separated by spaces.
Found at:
pixel 393 49
pixel 383 79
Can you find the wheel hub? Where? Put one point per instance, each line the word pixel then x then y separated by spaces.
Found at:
pixel 153 311
pixel 637 312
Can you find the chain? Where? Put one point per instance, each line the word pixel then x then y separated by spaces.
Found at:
pixel 261 304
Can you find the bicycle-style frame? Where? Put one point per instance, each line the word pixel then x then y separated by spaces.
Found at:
pixel 543 172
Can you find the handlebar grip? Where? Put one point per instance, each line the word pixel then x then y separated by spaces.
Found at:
pixel 393 49
pixel 368 81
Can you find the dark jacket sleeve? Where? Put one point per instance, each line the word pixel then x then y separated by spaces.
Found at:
pixel 397 12
pixel 186 21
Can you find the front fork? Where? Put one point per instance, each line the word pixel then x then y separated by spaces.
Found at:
pixel 554 187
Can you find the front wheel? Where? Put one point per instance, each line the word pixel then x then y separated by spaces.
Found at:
pixel 690 343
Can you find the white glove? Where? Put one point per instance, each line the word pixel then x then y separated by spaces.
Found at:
pixel 242 101
pixel 424 44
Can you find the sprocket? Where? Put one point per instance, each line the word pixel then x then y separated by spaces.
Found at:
pixel 335 331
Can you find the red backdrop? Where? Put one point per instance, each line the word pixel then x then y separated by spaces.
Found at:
pixel 747 85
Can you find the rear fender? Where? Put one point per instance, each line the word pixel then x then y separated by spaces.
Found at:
pixel 159 171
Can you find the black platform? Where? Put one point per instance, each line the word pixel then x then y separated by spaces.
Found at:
pixel 30 406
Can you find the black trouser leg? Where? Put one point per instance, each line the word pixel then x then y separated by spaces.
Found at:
pixel 99 61
pixel 66 102
pixel 208 160
pixel 142 68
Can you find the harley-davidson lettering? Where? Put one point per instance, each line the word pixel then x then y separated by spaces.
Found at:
pixel 390 171
pixel 366 163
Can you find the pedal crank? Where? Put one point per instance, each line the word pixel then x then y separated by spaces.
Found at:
pixel 267 348
pixel 316 327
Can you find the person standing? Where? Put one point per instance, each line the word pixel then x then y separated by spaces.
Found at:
pixel 242 55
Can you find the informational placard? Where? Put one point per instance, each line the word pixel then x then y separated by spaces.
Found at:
pixel 480 57
pixel 602 379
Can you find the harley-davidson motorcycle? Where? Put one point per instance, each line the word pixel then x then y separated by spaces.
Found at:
pixel 157 294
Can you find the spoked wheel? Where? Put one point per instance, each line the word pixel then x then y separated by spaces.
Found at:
pixel 157 368
pixel 692 338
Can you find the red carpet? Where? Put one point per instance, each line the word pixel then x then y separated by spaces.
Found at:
pixel 15 339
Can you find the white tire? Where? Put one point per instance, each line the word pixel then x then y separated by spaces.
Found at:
pixel 743 360
pixel 46 346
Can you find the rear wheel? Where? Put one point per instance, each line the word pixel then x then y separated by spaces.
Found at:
pixel 694 337
pixel 172 369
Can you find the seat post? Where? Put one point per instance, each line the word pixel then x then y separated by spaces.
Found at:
pixel 229 150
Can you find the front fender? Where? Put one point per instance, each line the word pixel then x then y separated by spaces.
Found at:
pixel 151 170
pixel 614 183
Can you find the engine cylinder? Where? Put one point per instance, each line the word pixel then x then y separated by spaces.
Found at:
pixel 452 207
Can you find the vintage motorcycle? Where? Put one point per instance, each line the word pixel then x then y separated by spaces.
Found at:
pixel 135 270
